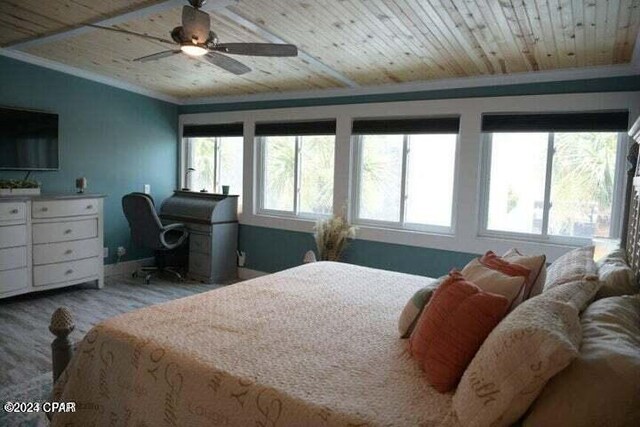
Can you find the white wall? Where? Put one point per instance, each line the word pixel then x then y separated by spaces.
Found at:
pixel 466 196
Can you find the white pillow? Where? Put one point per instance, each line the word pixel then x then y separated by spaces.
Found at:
pixel 616 276
pixel 531 345
pixel 602 386
pixel 494 281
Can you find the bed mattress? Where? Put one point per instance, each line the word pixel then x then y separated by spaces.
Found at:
pixel 314 345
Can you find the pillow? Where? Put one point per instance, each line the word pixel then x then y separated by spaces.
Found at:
pixel 571 266
pixel 616 276
pixel 414 307
pixel 602 386
pixel 538 266
pixel 531 345
pixel 452 328
pixel 492 280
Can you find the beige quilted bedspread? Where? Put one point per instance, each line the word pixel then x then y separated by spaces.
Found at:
pixel 316 345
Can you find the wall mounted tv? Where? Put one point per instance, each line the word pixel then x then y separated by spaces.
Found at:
pixel 28 140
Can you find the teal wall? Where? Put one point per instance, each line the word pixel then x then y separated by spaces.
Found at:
pixel 271 250
pixel 117 139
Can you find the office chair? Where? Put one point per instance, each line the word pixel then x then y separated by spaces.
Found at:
pixel 147 231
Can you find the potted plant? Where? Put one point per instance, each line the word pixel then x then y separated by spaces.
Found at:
pixel 19 187
pixel 332 236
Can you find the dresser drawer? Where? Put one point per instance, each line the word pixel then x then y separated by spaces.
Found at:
pixel 64 272
pixel 65 251
pixel 199 264
pixel 13 211
pixel 53 232
pixel 13 280
pixel 13 258
pixel 13 235
pixel 62 208
pixel 199 243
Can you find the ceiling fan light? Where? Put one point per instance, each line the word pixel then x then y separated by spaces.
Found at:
pixel 193 50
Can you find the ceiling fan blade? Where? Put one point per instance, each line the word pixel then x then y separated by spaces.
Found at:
pixel 226 63
pixel 258 49
pixel 158 55
pixel 131 33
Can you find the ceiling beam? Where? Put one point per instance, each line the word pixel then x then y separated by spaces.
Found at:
pixel 212 5
pixel 273 38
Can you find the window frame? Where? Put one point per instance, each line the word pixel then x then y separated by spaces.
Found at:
pixel 402 224
pixel 484 186
pixel 261 181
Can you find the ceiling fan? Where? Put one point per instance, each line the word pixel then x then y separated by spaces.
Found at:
pixel 195 38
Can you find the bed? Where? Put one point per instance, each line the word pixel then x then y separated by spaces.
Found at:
pixel 261 352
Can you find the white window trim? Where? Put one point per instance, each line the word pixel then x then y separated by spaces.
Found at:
pixel 260 184
pixel 467 206
pixel 544 237
pixel 401 224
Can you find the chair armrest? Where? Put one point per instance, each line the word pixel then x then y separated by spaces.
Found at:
pixel 172 227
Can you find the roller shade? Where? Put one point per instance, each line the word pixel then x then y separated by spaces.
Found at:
pixel 406 126
pixel 325 127
pixel 614 121
pixel 224 129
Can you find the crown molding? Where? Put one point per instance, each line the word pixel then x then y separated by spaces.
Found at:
pixel 88 75
pixel 440 84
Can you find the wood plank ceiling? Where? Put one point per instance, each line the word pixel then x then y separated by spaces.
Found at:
pixel 370 42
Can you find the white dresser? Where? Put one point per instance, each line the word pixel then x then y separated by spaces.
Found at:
pixel 50 241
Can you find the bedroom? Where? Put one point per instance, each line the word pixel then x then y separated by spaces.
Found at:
pixel 341 128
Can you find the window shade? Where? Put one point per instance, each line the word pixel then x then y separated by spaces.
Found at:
pixel 296 128
pixel 224 129
pixel 615 121
pixel 406 126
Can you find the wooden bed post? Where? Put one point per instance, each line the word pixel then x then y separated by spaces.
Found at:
pixel 62 347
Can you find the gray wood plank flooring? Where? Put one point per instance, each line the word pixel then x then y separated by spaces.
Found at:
pixel 25 340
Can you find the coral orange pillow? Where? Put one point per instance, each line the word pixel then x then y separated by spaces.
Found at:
pixel 452 328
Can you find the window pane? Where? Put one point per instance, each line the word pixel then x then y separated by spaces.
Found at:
pixel 316 174
pixel 517 180
pixel 380 177
pixel 203 161
pixel 230 164
pixel 582 184
pixel 279 170
pixel 430 174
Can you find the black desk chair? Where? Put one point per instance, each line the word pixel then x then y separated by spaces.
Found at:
pixel 147 231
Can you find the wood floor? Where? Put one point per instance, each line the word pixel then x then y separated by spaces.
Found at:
pixel 25 341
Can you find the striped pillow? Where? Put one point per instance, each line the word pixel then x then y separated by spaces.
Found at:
pixel 573 265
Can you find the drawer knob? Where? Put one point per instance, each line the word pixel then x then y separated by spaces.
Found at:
pixel 89 206
pixel 14 211
pixel 44 209
pixel 68 272
pixel 68 252
pixel 68 231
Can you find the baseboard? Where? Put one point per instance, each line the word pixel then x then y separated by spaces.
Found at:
pixel 126 267
pixel 247 273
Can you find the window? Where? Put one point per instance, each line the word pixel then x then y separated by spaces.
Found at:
pixel 405 172
pixel 297 164
pixel 214 152
pixel 562 184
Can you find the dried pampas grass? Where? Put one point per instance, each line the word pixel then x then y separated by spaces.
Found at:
pixel 332 235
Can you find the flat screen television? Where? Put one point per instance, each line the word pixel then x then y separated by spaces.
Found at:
pixel 28 140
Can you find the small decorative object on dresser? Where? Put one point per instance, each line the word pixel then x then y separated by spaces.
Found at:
pixel 49 242
pixel 81 184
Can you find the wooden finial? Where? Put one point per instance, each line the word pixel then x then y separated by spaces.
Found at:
pixel 62 347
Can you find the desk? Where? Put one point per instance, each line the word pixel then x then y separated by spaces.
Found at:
pixel 212 221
